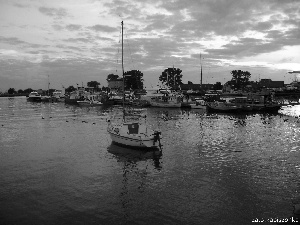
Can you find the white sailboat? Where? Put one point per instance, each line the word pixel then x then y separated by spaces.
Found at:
pixel 133 134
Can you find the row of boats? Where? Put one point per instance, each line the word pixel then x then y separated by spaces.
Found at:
pixel 166 98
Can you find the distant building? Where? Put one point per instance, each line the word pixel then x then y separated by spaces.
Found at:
pixel 116 84
pixel 268 83
pixel 195 87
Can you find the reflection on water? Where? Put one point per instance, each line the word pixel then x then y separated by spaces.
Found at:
pixel 132 156
pixel 59 166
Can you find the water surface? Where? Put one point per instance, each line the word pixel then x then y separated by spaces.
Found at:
pixel 58 166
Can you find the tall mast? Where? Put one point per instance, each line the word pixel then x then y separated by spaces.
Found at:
pixel 201 71
pixel 48 84
pixel 123 77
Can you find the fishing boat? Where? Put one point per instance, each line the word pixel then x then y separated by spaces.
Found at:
pixel 199 104
pixel 133 134
pixel 34 97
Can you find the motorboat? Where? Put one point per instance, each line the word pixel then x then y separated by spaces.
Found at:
pixel 34 97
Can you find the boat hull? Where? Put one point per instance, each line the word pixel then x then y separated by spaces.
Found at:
pixel 166 104
pixel 194 106
pixel 221 107
pixel 134 142
pixel 34 99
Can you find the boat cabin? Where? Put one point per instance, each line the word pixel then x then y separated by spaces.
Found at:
pixel 133 128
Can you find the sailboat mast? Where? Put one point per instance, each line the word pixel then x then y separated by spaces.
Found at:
pixel 123 77
pixel 201 71
pixel 48 84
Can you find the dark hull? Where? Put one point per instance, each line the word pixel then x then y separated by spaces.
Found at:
pixel 229 110
pixel 136 147
pixel 34 99
pixel 71 101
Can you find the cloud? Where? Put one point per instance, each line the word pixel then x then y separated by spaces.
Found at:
pixel 57 13
pixel 80 39
pixel 11 40
pixel 19 5
pixel 103 28
pixel 73 27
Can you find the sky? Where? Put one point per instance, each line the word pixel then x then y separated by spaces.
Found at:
pixel 73 42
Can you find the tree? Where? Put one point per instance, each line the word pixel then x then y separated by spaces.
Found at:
pixel 70 89
pixel 11 91
pixel 217 86
pixel 27 91
pixel 171 77
pixel 94 84
pixel 134 80
pixel 112 77
pixel 20 91
pixel 240 78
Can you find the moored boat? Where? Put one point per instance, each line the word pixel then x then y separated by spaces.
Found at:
pixel 34 97
pixel 222 106
pixel 199 104
pixel 167 100
pixel 133 134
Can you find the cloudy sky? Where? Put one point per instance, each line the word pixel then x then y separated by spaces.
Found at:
pixel 76 41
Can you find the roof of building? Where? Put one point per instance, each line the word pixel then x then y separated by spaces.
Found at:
pixel 195 86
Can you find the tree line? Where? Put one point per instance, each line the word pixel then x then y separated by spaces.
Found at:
pixel 171 77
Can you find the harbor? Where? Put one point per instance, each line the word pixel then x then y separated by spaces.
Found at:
pixel 149 112
pixel 59 165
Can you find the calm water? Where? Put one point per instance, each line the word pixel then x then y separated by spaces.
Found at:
pixel 58 166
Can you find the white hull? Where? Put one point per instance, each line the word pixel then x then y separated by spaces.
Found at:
pixel 89 103
pixel 165 104
pixel 134 141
